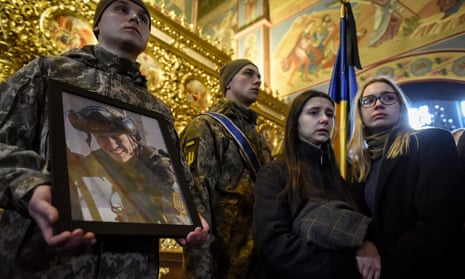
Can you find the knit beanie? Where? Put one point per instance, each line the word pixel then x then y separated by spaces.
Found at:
pixel 103 5
pixel 230 69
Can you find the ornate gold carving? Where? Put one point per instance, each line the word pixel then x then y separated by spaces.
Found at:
pixel 169 245
pixel 163 271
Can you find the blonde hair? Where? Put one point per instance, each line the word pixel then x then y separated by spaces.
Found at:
pixel 357 148
pixel 457 133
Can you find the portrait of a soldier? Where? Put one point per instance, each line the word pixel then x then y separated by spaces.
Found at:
pixel 122 180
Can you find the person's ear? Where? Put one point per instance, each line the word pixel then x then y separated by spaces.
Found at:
pixel 228 86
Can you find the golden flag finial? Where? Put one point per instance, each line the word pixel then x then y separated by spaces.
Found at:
pixel 343 7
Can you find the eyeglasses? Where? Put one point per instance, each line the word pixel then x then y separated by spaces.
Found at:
pixel 386 98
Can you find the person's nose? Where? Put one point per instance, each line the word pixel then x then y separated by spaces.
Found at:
pixel 258 80
pixel 378 103
pixel 110 143
pixel 324 118
pixel 134 17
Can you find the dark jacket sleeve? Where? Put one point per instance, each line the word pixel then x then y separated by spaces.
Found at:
pixel 421 206
pixel 282 252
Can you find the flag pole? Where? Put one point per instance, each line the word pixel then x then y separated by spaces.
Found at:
pixel 342 112
pixel 343 84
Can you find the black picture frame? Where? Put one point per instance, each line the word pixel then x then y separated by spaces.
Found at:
pixel 101 195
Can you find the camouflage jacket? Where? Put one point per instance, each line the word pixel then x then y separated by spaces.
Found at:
pixel 24 164
pixel 142 190
pixel 223 192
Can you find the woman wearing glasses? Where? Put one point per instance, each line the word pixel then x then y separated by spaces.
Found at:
pixel 409 182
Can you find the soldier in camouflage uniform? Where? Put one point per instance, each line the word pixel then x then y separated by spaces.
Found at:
pixel 224 184
pixel 28 246
pixel 137 182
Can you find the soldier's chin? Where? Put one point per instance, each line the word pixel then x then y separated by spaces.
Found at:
pixel 120 157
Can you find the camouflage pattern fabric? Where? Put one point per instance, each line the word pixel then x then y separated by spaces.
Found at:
pixel 141 190
pixel 223 193
pixel 24 157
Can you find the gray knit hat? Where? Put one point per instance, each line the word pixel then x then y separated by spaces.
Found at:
pixel 230 69
pixel 103 5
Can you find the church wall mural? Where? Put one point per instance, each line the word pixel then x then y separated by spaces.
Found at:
pixel 407 40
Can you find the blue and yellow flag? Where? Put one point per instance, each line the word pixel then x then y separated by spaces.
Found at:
pixel 343 85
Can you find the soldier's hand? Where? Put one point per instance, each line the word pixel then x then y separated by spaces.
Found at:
pixel 198 236
pixel 45 215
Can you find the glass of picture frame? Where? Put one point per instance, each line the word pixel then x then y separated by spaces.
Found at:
pixel 115 170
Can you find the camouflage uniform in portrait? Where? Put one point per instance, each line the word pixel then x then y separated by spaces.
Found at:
pixel 24 141
pixel 143 188
pixel 223 192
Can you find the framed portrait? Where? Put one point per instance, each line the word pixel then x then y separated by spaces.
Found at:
pixel 249 11
pixel 196 93
pixel 151 70
pixel 115 170
pixel 63 28
pixel 251 45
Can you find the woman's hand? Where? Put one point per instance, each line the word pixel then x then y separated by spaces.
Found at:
pixel 369 261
